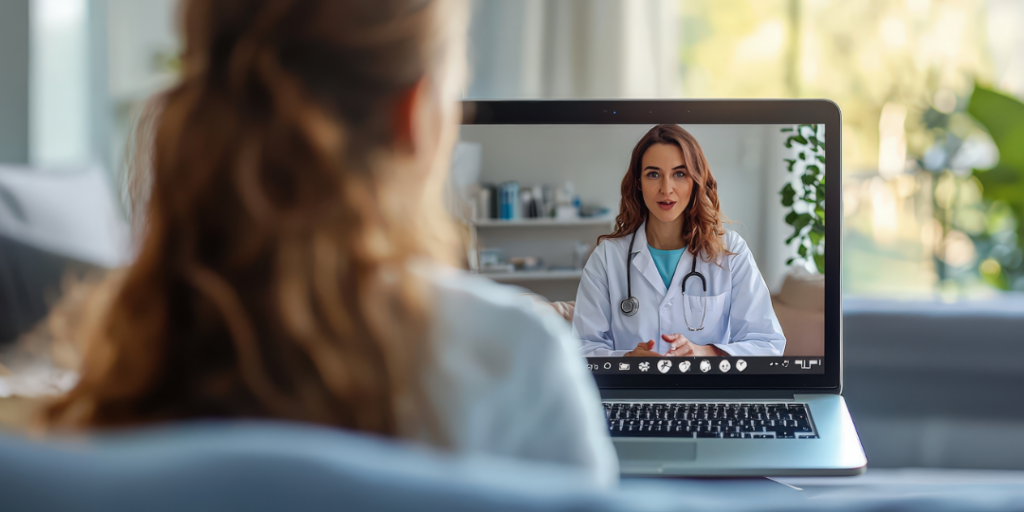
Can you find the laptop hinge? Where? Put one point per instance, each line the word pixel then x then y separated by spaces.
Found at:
pixel 668 394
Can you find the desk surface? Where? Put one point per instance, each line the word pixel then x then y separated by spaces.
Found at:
pixel 891 479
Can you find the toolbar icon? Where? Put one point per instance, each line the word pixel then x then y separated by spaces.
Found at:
pixel 806 364
pixel 785 363
pixel 705 366
pixel 644 366
pixel 684 366
pixel 664 365
pixel 741 365
pixel 724 366
pixel 607 366
pixel 623 367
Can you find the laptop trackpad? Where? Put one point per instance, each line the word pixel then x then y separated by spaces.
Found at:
pixel 656 451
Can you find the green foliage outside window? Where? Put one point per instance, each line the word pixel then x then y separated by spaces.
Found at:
pixel 1002 187
pixel 993 220
pixel 804 194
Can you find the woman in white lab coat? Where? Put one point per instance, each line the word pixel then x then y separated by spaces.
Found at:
pixel 631 299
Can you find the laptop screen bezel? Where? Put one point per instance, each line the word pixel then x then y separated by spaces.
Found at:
pixel 718 112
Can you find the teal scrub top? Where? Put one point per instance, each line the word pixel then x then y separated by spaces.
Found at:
pixel 666 262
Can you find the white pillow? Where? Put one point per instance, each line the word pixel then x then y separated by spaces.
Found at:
pixel 72 214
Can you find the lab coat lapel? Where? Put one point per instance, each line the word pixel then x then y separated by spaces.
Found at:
pixel 682 268
pixel 644 262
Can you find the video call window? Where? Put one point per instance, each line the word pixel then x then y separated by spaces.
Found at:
pixel 606 219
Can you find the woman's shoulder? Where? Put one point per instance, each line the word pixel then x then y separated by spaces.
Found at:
pixel 471 309
pixel 458 285
pixel 735 243
pixel 737 249
pixel 507 377
pixel 617 244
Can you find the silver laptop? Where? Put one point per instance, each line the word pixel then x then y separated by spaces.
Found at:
pixel 728 364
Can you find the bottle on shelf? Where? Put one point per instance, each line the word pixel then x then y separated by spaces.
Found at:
pixel 566 202
pixel 510 208
pixel 487 202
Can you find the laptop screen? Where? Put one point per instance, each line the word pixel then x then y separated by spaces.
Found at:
pixel 674 250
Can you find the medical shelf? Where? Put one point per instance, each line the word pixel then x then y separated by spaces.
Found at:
pixel 534 275
pixel 554 241
pixel 544 222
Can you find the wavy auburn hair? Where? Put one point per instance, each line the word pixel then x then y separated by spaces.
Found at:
pixel 703 228
pixel 273 276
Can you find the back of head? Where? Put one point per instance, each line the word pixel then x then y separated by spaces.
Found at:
pixel 289 186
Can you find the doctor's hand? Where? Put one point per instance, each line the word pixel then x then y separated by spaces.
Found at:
pixel 643 350
pixel 679 346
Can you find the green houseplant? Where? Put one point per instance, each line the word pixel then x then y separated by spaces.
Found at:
pixel 804 194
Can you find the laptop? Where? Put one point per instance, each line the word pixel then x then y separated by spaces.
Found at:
pixel 754 387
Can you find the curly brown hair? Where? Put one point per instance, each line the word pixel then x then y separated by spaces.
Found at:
pixel 274 276
pixel 703 225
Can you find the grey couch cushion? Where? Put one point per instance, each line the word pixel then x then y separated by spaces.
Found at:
pixel 261 466
pixel 30 282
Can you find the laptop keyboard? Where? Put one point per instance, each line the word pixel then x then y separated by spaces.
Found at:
pixel 710 420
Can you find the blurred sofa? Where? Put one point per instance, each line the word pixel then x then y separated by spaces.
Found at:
pixel 260 466
pixel 936 382
pixel 800 308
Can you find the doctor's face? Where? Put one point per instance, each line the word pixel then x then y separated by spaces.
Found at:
pixel 665 182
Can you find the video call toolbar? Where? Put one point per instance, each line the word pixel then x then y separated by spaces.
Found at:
pixel 705 365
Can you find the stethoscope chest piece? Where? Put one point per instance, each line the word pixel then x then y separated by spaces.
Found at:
pixel 630 306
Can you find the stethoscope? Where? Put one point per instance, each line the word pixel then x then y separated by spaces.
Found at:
pixel 630 306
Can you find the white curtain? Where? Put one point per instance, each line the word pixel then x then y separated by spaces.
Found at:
pixel 70 113
pixel 574 49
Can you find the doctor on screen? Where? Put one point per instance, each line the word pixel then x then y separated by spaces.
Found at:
pixel 671 281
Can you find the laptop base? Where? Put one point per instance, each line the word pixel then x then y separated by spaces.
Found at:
pixel 836 451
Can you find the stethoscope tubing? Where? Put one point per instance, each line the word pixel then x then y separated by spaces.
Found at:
pixel 631 305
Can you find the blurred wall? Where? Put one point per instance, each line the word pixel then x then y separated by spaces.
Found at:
pixel 142 46
pixel 14 90
pixel 142 42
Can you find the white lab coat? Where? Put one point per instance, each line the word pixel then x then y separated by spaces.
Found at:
pixel 740 319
